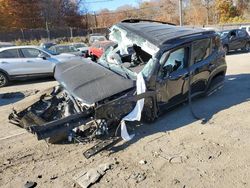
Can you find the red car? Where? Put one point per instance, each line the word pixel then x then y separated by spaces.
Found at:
pixel 97 48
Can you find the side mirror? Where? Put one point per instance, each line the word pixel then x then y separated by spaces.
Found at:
pixel 42 56
pixel 167 70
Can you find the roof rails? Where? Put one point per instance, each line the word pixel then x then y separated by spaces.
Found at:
pixel 144 20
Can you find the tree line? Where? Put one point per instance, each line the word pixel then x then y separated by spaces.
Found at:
pixel 195 12
pixel 31 14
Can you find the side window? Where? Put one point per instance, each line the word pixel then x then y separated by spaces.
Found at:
pixel 232 34
pixel 176 59
pixel 241 33
pixel 201 50
pixel 10 54
pixel 32 53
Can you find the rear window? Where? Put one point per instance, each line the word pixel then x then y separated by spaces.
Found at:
pixel 201 50
pixel 10 54
pixel 242 33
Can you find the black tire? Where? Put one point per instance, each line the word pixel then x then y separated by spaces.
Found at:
pixel 247 47
pixel 3 79
pixel 214 82
pixel 226 49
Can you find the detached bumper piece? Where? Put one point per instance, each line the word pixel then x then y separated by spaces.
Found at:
pixel 105 144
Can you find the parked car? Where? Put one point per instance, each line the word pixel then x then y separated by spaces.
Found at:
pixel 247 28
pixel 23 62
pixel 235 39
pixel 47 45
pixel 169 63
pixel 6 44
pixel 96 37
pixel 82 47
pixel 59 49
pixel 97 48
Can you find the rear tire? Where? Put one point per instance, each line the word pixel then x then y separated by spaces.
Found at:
pixel 247 47
pixel 3 79
pixel 213 85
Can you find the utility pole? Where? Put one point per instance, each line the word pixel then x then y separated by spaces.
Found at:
pixel 71 32
pixel 95 19
pixel 180 12
pixel 47 29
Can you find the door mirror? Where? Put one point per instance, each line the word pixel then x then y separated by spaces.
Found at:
pixel 42 56
pixel 167 70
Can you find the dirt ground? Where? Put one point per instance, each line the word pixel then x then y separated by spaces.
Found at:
pixel 177 150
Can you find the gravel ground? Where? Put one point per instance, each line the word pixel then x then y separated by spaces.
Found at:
pixel 175 151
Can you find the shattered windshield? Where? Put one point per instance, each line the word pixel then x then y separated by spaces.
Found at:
pixel 133 54
pixel 113 64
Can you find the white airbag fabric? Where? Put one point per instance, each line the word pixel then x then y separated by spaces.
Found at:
pixel 135 114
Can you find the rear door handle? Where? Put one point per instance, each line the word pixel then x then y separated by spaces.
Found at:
pixel 28 61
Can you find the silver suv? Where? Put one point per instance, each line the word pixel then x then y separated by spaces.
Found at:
pixel 23 62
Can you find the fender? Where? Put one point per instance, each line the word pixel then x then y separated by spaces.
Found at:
pixel 8 76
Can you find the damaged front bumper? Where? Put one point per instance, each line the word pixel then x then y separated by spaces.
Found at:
pixel 55 113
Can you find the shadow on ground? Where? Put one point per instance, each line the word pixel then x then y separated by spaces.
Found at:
pixel 236 90
pixel 8 98
pixel 13 97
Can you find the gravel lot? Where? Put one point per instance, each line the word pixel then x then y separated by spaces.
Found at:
pixel 177 150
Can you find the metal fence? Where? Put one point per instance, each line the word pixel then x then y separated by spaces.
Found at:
pixel 38 34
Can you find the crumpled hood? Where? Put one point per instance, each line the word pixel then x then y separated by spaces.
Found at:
pixel 90 82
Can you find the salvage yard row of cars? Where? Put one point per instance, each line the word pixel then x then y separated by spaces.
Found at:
pixel 155 61
pixel 24 62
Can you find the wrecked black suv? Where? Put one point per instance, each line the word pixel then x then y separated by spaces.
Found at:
pixel 152 68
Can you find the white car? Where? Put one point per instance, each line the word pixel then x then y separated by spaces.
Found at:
pixel 22 62
pixel 247 28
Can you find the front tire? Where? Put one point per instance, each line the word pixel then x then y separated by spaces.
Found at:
pixel 3 80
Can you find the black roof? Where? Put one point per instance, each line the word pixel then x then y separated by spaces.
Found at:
pixel 160 33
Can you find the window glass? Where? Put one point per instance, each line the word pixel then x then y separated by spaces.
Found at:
pixel 201 50
pixel 232 34
pixel 10 54
pixel 32 53
pixel 242 33
pixel 176 59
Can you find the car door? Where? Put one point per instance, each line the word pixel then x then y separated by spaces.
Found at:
pixel 36 61
pixel 242 34
pixel 170 83
pixel 10 62
pixel 200 64
pixel 234 41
